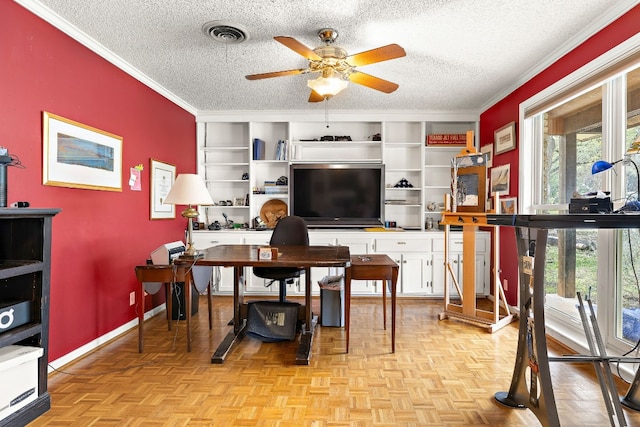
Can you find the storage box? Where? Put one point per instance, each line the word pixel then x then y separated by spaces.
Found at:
pixel 18 376
pixel 590 205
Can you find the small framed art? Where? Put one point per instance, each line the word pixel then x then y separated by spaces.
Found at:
pixel 163 175
pixel 504 138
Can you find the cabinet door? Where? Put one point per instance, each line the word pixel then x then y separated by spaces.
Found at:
pixel 359 246
pixel 222 277
pixel 252 283
pixel 415 274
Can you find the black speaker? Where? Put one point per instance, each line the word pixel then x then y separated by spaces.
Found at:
pixel 14 314
pixel 178 306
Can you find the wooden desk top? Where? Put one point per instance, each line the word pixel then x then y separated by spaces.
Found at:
pixel 378 260
pixel 288 256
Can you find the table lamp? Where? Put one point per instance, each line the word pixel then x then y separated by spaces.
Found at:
pixel 189 189
pixel 603 165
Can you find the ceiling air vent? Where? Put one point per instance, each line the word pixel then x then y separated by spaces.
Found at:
pixel 225 32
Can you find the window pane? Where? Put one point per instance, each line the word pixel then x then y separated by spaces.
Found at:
pixel 629 328
pixel 572 143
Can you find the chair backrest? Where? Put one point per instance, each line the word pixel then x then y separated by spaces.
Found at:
pixel 290 230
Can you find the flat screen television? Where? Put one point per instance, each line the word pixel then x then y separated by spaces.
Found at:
pixel 345 195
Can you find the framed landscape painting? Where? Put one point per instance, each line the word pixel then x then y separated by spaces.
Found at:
pixel 80 156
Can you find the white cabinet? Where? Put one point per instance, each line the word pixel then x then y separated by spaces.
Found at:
pixel 411 254
pixel 420 256
pixel 359 245
pixel 482 260
pixel 222 277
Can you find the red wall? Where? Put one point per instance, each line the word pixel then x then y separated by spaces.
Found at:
pixel 507 110
pixel 99 236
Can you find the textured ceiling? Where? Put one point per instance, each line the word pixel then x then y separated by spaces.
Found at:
pixel 461 54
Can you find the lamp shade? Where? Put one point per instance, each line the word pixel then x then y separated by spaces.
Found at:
pixel 189 189
pixel 600 166
pixel 329 83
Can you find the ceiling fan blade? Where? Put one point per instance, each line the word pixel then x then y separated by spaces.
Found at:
pixel 276 74
pixel 298 47
pixel 315 97
pixel 372 56
pixel 373 82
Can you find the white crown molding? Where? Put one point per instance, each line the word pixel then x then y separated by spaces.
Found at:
pixel 616 11
pixel 337 116
pixel 75 33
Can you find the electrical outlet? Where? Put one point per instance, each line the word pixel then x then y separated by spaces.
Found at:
pixel 505 284
pixel 132 298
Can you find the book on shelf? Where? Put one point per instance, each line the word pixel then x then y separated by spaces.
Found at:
pixel 258 149
pixel 281 149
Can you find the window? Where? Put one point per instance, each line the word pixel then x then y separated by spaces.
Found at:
pixel 591 115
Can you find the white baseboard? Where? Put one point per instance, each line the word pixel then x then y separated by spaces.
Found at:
pixel 89 347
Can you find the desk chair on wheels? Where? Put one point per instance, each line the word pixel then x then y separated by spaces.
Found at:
pixel 290 230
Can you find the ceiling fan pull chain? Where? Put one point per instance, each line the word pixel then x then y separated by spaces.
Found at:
pixel 326 111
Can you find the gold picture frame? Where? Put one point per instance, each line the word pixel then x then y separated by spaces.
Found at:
pixel 163 175
pixel 75 155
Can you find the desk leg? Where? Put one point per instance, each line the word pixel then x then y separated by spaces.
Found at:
pixel 141 319
pixel 347 304
pixel 385 284
pixel 310 322
pixel 187 297
pixel 531 385
pixel 239 324
pixel 394 283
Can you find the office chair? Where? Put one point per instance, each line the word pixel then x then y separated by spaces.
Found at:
pixel 290 230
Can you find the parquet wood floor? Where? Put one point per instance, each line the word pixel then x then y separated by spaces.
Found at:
pixel 444 373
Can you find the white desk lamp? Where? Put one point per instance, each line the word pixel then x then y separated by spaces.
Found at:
pixel 189 189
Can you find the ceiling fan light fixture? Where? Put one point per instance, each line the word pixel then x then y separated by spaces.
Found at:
pixel 330 83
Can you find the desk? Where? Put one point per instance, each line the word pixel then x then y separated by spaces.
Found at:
pixel 240 256
pixel 373 267
pixel 531 382
pixel 167 275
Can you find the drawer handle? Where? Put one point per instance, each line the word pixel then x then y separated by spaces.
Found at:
pixel 402 243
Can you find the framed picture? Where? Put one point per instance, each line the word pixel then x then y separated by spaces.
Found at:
pixel 456 139
pixel 487 150
pixel 504 138
pixel 500 178
pixel 509 205
pixel 238 201
pixel 469 189
pixel 163 175
pixel 79 156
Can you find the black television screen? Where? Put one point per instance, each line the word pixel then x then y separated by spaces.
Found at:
pixel 337 195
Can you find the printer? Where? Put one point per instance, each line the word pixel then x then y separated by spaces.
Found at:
pixel 166 253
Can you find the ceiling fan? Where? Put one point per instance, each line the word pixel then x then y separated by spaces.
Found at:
pixel 335 67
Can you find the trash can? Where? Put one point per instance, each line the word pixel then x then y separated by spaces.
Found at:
pixel 331 301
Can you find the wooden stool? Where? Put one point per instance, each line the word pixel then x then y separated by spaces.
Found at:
pixel 373 267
